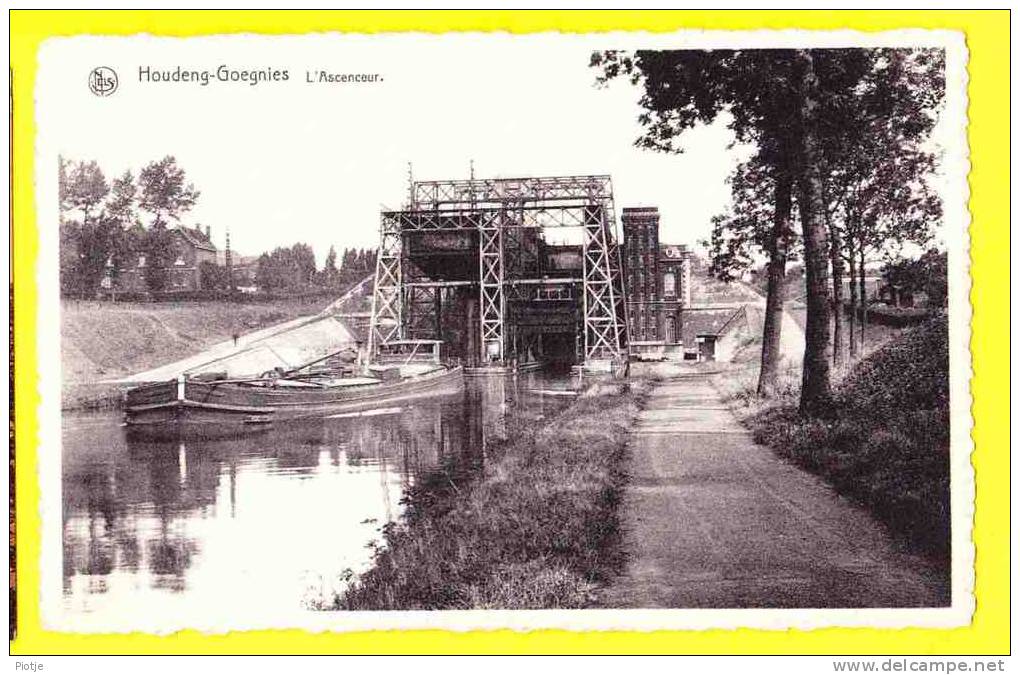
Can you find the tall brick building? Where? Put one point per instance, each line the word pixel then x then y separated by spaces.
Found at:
pixel 658 281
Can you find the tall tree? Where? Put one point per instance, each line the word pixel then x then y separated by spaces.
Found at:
pixel 122 199
pixel 159 248
pixel 82 187
pixel 758 222
pixel 303 258
pixel 286 268
pixel 330 273
pixel 816 388
pixel 877 165
pixel 85 232
pixel 164 195
pixel 837 265
pixel 791 104
pixel 265 277
pixel 123 219
pixel 759 89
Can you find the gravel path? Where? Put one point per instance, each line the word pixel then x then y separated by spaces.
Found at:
pixel 713 520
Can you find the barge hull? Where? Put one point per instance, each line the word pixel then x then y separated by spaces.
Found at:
pixel 208 410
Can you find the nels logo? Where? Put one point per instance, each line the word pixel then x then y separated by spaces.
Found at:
pixel 102 81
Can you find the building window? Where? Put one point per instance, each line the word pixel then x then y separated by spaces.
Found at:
pixel 669 284
pixel 141 261
pixel 671 330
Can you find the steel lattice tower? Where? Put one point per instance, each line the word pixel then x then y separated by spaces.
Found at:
pixel 500 223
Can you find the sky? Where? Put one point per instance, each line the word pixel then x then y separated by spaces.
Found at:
pixel 285 162
pixel 296 161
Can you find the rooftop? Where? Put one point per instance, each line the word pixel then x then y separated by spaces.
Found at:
pixel 197 237
pixel 709 321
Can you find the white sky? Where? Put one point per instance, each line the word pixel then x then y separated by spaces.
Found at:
pixel 285 162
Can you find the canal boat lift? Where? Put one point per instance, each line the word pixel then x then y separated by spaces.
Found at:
pixel 472 263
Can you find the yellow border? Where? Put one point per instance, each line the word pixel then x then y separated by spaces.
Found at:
pixel 988 40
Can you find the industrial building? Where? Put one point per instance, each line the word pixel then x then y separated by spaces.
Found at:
pixel 658 286
pixel 512 272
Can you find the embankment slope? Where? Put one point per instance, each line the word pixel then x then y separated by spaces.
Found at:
pixel 105 341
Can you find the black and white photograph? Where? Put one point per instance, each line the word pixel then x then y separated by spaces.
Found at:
pixel 477 331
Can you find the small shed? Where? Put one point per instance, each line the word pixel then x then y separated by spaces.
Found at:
pixel 713 333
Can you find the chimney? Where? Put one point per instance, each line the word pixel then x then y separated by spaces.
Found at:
pixel 208 233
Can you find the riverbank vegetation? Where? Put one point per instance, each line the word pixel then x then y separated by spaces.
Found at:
pixel 885 443
pixel 536 527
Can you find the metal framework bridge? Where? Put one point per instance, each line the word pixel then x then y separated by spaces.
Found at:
pixel 485 237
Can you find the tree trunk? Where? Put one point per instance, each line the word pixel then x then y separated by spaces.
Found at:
pixel 852 342
pixel 816 387
pixel 836 259
pixel 772 331
pixel 863 292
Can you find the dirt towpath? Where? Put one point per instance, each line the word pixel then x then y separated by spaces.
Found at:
pixel 713 520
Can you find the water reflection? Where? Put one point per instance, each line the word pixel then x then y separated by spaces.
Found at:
pixel 158 535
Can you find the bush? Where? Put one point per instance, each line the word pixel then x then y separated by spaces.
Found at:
pixel 908 373
pixel 895 317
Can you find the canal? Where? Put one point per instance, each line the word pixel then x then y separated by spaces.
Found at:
pixel 261 529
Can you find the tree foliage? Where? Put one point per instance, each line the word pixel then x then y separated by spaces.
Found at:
pixel 213 277
pixel 330 274
pixel 286 268
pixel 163 196
pixel 877 170
pixel 927 273
pixel 94 216
pixel 762 92
pixel 104 224
pixel 842 129
pixel 742 236
pixel 355 264
pixel 163 193
pixel 107 226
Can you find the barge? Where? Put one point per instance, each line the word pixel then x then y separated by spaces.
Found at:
pixel 210 405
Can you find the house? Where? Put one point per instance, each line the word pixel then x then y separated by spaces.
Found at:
pixel 193 246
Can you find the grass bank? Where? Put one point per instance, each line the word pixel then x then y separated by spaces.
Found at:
pixel 109 340
pixel 536 527
pixel 887 444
